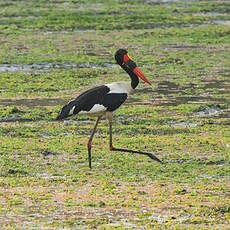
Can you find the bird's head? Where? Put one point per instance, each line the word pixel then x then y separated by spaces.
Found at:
pixel 123 59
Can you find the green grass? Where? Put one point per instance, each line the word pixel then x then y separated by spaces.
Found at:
pixel 105 15
pixel 183 119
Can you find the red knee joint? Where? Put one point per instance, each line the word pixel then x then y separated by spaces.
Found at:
pixel 89 145
pixel 111 147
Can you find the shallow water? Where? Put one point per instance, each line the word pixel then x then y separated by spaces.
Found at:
pixel 210 111
pixel 210 14
pixel 160 1
pixel 47 66
pixel 183 124
pixel 223 22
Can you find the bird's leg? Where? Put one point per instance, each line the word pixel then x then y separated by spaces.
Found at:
pixel 90 140
pixel 110 136
pixel 128 150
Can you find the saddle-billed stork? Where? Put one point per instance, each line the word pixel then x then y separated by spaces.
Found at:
pixel 105 99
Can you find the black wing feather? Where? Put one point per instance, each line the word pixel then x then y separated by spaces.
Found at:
pixel 86 100
pixel 113 101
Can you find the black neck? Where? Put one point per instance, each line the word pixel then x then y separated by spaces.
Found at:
pixel 134 78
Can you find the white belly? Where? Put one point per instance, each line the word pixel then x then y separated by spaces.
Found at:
pixel 96 109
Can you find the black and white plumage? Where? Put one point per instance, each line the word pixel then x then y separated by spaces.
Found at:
pixel 97 101
pixel 103 100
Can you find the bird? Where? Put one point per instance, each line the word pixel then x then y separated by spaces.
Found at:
pixel 105 99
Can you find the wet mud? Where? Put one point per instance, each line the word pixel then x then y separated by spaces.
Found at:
pixel 15 119
pixel 36 102
pixel 166 93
